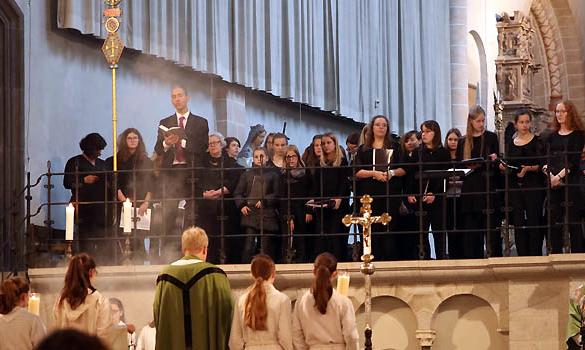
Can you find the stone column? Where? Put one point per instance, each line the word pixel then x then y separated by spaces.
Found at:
pixel 426 337
pixel 459 74
pixel 229 102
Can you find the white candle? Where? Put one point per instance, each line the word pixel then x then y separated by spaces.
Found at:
pixel 34 304
pixel 69 219
pixel 343 283
pixel 127 215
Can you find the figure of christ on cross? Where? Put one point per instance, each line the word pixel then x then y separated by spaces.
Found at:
pixel 367 268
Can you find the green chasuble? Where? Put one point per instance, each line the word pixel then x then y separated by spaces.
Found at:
pixel 192 306
pixel 575 315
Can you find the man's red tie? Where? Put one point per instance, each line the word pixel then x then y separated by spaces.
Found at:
pixel 179 154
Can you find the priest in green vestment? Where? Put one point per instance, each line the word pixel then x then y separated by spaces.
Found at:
pixel 193 301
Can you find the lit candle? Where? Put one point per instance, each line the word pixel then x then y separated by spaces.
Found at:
pixel 343 283
pixel 69 218
pixel 34 303
pixel 127 211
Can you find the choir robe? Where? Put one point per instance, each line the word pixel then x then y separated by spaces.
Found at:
pixel 278 333
pixel 335 330
pixel 205 322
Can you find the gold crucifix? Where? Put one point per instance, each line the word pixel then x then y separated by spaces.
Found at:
pixel 366 220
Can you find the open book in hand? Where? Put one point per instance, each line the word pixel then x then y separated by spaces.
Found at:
pixel 177 130
pixel 507 165
pixel 321 203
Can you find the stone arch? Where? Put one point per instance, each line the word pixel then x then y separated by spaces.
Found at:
pixel 394 324
pixel 566 71
pixel 483 82
pixel 466 315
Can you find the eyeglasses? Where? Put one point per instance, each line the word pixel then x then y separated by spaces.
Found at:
pixel 214 143
pixel 292 156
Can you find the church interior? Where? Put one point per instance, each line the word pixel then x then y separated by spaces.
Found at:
pixel 71 68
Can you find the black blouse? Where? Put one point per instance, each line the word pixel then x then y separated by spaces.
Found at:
pixel 527 155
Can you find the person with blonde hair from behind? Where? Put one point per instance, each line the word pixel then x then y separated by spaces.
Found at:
pixel 80 305
pixel 19 329
pixel 193 301
pixel 323 318
pixel 262 316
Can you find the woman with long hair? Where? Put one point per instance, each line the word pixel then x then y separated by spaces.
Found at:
pixel 279 144
pixel 323 318
pixel 135 170
pixel 135 180
pixel 331 187
pixel 19 329
pixel 262 315
pixel 295 190
pixel 481 146
pixel 79 304
pixel 452 204
pixel 430 191
pixel 379 176
pixel 312 154
pixel 525 183
pixel 564 149
pixel 451 141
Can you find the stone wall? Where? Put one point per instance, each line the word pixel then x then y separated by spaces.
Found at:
pixel 498 303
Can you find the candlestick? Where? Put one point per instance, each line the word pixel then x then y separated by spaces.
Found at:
pixel 69 219
pixel 127 215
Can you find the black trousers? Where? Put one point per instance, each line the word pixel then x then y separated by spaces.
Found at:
pixel 526 211
pixel 434 218
pixel 558 213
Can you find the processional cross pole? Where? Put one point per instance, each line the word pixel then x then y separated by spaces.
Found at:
pixel 112 50
pixel 366 219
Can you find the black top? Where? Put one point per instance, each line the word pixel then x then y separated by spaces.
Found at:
pixel 475 181
pixel 334 180
pixel 364 161
pixel 296 185
pixel 87 192
pixel 570 145
pixel 212 178
pixel 527 155
pixel 140 181
pixel 440 156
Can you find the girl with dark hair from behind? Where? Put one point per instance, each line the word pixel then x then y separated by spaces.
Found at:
pixel 71 339
pixel 89 186
pixel 262 315
pixel 19 329
pixel 323 318
pixel 79 304
pixel 565 146
pixel 432 195
pixel 478 142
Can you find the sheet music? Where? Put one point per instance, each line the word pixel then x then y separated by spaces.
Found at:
pixel 142 223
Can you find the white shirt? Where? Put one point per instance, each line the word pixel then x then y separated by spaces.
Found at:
pixel 278 334
pixel 147 339
pixel 335 330
pixel 183 141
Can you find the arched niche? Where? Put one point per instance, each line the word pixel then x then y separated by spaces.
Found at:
pixel 394 324
pixel 477 70
pixel 467 322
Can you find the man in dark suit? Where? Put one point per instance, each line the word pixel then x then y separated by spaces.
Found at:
pixel 179 158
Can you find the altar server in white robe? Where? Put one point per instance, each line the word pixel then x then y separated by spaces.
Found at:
pixel 263 315
pixel 323 318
